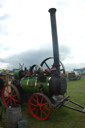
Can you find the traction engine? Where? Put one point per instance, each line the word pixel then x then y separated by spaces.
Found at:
pixel 43 86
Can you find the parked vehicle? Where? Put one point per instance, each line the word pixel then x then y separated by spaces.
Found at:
pixel 74 76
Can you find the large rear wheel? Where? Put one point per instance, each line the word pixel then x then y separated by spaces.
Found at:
pixel 39 106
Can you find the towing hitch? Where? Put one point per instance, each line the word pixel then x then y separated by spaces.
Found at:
pixel 59 102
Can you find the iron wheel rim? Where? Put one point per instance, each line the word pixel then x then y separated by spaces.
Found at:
pixel 39 106
pixel 10 95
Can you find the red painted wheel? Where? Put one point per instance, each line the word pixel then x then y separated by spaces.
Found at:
pixel 39 106
pixel 10 95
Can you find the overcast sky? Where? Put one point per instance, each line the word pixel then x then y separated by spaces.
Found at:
pixel 25 32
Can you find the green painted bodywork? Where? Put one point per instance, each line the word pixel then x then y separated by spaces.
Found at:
pixel 16 73
pixel 31 84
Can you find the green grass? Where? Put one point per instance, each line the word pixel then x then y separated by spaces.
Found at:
pixel 62 117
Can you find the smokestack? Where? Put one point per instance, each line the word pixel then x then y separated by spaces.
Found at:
pixel 54 38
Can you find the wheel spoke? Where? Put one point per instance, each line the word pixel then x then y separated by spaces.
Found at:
pixel 14 95
pixel 34 108
pixel 8 101
pixel 37 112
pixel 34 99
pixel 6 91
pixel 41 114
pixel 37 99
pixel 42 99
pixel 14 99
pixel 46 108
pixel 6 95
pixel 12 92
pixel 11 101
pixel 61 69
pixel 47 65
pixel 6 98
pixel 14 102
pixel 34 104
pixel 44 104
pixel 44 112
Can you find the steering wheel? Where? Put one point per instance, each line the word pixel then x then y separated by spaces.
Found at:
pixel 48 64
pixel 35 69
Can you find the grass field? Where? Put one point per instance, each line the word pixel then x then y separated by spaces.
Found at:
pixel 62 117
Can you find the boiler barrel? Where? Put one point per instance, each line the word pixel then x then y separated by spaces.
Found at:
pixel 29 84
pixel 32 85
pixel 51 85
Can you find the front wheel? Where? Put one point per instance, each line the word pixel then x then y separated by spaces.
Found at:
pixel 39 106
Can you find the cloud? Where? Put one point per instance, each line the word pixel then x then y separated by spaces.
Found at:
pixel 71 66
pixel 1 6
pixel 28 58
pixel 1 3
pixel 3 29
pixel 62 3
pixel 4 17
pixel 31 57
pixel 25 31
pixel 65 52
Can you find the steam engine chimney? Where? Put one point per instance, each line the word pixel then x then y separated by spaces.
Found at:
pixel 54 38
